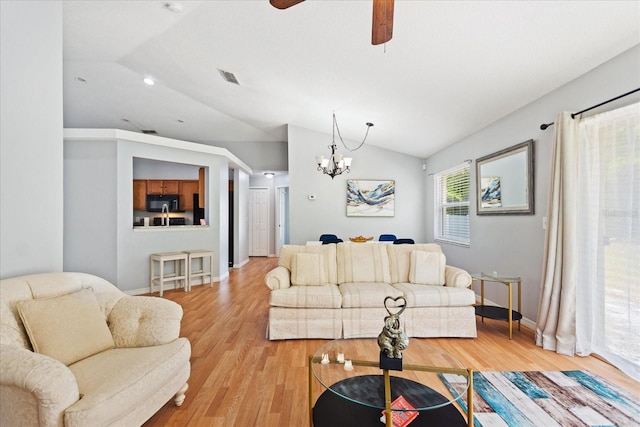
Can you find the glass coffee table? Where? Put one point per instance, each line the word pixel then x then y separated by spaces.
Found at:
pixel 369 396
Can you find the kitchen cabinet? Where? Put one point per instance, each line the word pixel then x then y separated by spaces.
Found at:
pixel 187 189
pixel 163 186
pixel 139 194
pixel 201 192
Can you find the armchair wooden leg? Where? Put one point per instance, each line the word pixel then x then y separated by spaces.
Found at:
pixel 179 397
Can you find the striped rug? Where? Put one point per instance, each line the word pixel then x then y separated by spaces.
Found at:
pixel 551 398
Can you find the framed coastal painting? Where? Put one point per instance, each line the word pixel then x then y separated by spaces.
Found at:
pixel 505 181
pixel 367 197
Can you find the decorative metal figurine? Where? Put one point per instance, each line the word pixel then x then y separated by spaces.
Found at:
pixel 392 340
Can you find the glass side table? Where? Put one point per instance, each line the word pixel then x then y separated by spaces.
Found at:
pixel 495 312
pixel 363 395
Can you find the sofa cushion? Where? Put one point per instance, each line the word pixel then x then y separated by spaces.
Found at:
pixel 121 380
pixel 435 296
pixel 327 296
pixel 308 269
pixel 360 262
pixel 68 328
pixel 368 294
pixel 427 268
pixel 328 253
pixel 400 259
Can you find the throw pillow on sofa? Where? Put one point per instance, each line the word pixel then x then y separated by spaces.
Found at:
pixel 307 269
pixel 67 328
pixel 427 268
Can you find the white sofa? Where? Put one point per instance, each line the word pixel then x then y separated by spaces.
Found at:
pixel 334 291
pixel 103 357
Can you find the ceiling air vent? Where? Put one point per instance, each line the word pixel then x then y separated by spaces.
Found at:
pixel 228 76
pixel 149 131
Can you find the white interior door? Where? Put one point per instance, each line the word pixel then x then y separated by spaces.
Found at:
pixel 259 221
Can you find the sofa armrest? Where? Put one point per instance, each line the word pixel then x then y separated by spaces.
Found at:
pixel 278 278
pixel 140 321
pixel 456 277
pixel 34 389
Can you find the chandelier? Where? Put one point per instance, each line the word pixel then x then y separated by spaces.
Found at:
pixel 336 163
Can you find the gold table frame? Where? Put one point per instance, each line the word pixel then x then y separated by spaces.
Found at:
pixel 387 384
pixel 508 282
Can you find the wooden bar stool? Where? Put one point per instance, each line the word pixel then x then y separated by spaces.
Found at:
pixel 180 268
pixel 204 271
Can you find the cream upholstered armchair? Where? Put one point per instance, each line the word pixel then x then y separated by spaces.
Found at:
pixel 76 351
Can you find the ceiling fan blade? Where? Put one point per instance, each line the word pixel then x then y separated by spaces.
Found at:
pixel 284 4
pixel 382 26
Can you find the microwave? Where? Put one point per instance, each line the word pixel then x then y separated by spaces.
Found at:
pixel 156 201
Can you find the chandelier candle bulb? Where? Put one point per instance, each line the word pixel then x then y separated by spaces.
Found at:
pixel 340 358
pixel 348 366
pixel 325 359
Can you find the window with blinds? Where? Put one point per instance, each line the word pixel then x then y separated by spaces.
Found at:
pixel 451 202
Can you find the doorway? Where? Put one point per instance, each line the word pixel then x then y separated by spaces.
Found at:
pixel 282 218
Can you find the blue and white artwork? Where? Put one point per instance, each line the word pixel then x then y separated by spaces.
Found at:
pixel 370 198
pixel 490 192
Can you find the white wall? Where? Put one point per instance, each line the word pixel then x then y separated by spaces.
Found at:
pixel 31 210
pixel 514 244
pixel 241 220
pixel 91 208
pixel 153 169
pixel 259 155
pixel 327 213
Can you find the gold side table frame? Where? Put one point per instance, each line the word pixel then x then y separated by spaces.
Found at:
pixel 508 282
pixel 387 385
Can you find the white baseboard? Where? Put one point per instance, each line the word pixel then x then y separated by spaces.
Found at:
pixel 528 323
pixel 242 264
pixel 169 287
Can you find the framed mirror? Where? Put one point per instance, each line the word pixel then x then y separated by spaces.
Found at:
pixel 504 181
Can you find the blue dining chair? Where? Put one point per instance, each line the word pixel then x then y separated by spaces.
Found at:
pixel 325 237
pixel 403 242
pixel 327 241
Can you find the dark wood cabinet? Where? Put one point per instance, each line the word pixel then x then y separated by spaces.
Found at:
pixel 163 186
pixel 139 194
pixel 187 189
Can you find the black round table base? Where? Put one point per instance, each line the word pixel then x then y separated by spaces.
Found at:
pixel 332 410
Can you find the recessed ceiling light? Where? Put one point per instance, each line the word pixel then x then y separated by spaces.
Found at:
pixel 80 80
pixel 149 81
pixel 126 120
pixel 173 7
pixel 180 121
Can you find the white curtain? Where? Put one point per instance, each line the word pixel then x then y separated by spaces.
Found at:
pixel 608 294
pixel 590 295
pixel 555 329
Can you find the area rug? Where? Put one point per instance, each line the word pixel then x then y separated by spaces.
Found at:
pixel 547 398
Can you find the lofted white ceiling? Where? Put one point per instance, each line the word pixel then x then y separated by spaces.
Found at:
pixel 451 68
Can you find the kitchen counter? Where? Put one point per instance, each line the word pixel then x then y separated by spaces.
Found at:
pixel 141 228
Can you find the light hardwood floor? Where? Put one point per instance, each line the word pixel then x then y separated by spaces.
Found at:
pixel 239 378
